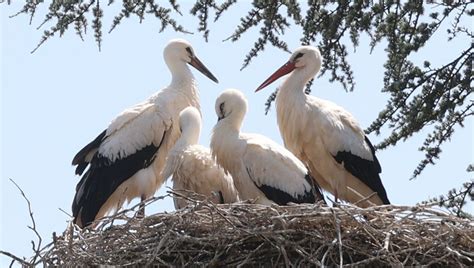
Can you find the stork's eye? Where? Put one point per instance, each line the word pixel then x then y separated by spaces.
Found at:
pixel 299 55
pixel 221 108
pixel 190 52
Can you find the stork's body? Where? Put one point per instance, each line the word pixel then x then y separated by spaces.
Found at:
pixel 260 168
pixel 193 168
pixel 324 136
pixel 126 160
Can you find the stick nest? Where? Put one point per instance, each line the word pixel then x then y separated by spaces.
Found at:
pixel 245 234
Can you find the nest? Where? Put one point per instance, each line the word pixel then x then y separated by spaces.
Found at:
pixel 245 234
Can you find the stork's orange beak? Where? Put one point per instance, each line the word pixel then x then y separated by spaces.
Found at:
pixel 196 63
pixel 283 70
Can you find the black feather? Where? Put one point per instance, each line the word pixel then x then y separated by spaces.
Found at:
pixel 104 177
pixel 80 158
pixel 81 167
pixel 281 197
pixel 365 170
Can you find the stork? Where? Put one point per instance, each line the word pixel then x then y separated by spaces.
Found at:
pixel 126 160
pixel 324 136
pixel 192 166
pixel 261 169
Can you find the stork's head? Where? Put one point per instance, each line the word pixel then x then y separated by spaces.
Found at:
pixel 306 59
pixel 190 124
pixel 178 51
pixel 231 107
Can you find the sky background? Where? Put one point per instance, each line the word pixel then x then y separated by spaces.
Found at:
pixel 55 101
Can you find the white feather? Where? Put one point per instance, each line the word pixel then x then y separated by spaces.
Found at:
pixel 192 166
pixel 271 164
pixel 150 122
pixel 315 130
pixel 251 158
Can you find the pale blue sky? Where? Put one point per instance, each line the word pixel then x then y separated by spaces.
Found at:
pixel 56 100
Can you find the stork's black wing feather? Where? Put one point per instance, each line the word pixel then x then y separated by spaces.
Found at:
pixel 104 177
pixel 365 170
pixel 281 197
pixel 80 158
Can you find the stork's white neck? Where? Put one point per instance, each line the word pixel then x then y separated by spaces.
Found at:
pixel 298 79
pixel 223 139
pixel 292 89
pixel 180 74
pixel 233 121
pixel 183 83
pixel 225 145
pixel 227 130
pixel 186 139
pixel 190 136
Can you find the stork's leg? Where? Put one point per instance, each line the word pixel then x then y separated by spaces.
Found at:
pixel 335 198
pixel 141 209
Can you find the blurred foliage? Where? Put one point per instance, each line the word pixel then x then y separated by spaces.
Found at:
pixel 436 99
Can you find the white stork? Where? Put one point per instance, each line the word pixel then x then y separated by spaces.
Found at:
pixel 324 136
pixel 126 160
pixel 192 166
pixel 261 169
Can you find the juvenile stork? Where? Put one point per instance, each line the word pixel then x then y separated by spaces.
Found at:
pixel 261 169
pixel 324 136
pixel 126 160
pixel 192 166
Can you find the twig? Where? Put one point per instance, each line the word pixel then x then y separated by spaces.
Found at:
pixel 337 222
pixel 33 227
pixel 65 212
pixel 365 198
pixel 15 258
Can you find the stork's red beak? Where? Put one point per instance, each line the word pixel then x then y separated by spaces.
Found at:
pixel 196 63
pixel 285 69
